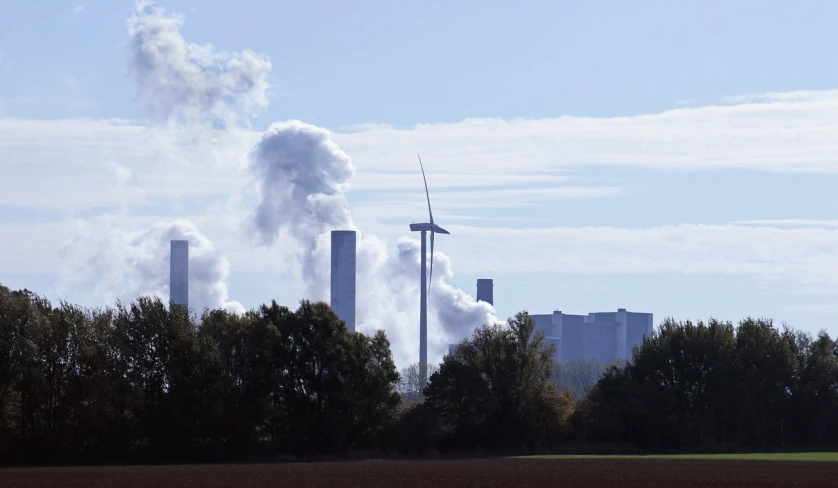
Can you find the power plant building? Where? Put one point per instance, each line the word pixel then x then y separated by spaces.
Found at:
pixel 343 276
pixel 179 272
pixel 602 336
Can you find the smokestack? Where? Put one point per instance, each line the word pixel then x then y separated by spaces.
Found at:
pixel 179 273
pixel 484 291
pixel 343 276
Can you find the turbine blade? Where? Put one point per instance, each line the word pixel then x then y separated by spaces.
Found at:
pixel 431 273
pixel 431 214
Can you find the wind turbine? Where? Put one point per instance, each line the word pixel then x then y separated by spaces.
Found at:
pixel 425 286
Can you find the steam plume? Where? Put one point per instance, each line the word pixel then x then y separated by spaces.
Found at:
pixel 178 81
pixel 127 264
pixel 303 176
pixel 181 85
pixel 306 199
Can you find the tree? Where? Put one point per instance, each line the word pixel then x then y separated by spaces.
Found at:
pixel 336 387
pixel 416 430
pixel 579 375
pixel 410 384
pixel 687 370
pixel 615 410
pixel 493 390
pixel 765 363
pixel 815 396
pixel 149 382
pixel 371 398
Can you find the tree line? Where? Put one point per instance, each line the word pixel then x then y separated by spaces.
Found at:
pixel 143 382
pixel 713 385
pixel 150 382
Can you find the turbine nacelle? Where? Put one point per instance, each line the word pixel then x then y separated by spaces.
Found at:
pixel 428 227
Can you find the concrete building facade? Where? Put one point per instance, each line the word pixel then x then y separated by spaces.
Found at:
pixel 343 276
pixel 179 272
pixel 485 291
pixel 602 336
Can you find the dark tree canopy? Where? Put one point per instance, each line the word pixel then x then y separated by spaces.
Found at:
pixel 713 385
pixel 496 390
pixel 145 382
pixel 149 382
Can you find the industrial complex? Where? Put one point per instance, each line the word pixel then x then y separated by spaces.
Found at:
pixel 602 336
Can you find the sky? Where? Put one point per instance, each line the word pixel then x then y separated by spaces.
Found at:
pixel 677 158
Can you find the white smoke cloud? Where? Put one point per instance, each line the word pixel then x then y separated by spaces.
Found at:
pixel 181 82
pixel 306 200
pixel 388 298
pixel 121 264
pixel 188 90
pixel 303 176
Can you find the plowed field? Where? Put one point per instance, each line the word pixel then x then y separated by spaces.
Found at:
pixel 623 473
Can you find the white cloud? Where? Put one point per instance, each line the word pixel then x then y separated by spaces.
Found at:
pixel 790 222
pixel 778 133
pixel 60 163
pixel 794 133
pixel 814 307
pixel 797 255
pixel 792 96
pixel 80 163
pixel 788 132
pixel 439 180
pixel 801 255
pixel 77 10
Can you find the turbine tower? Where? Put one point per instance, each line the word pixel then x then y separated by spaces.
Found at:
pixel 424 287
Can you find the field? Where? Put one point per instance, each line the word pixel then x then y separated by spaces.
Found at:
pixel 794 456
pixel 520 472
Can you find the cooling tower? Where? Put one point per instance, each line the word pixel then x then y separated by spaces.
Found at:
pixel 343 276
pixel 179 273
pixel 484 291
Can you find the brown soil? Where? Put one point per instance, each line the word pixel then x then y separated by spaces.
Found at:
pixel 471 473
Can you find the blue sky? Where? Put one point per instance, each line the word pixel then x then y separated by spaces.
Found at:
pixel 342 63
pixel 621 119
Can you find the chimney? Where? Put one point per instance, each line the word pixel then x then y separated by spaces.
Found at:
pixel 484 291
pixel 343 276
pixel 179 273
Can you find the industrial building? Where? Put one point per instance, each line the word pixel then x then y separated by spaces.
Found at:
pixel 343 276
pixel 179 272
pixel 602 336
